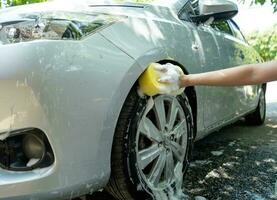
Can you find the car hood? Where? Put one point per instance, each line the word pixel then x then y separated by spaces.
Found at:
pixel 14 13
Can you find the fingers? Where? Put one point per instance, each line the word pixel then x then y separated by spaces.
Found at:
pixel 170 75
pixel 168 67
pixel 177 69
pixel 166 79
pixel 161 68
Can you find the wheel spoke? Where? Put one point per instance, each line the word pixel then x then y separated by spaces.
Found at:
pixel 156 172
pixel 146 156
pixel 173 114
pixel 148 129
pixel 160 113
pixel 180 129
pixel 178 150
pixel 169 167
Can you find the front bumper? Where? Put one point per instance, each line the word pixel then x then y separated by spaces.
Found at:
pixel 61 88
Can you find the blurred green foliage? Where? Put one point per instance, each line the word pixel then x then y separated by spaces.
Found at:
pixel 265 43
pixel 21 2
pixel 262 2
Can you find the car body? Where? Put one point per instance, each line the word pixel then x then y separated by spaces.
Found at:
pixel 70 92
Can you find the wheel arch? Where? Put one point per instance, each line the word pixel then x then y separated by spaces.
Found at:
pixel 189 91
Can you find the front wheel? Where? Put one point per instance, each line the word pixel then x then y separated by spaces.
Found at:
pixel 258 116
pixel 151 146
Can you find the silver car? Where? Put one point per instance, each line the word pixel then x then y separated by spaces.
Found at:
pixel 72 119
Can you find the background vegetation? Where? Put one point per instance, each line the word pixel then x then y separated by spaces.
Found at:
pixel 262 2
pixel 265 43
pixel 21 2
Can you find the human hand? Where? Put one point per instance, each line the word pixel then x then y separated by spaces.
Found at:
pixel 169 75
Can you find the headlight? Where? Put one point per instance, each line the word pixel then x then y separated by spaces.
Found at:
pixel 53 26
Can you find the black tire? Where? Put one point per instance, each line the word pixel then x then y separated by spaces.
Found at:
pixel 257 117
pixel 125 182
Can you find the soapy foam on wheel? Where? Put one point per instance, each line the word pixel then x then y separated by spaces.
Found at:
pixel 175 193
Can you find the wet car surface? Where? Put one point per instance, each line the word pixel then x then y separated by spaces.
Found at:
pixel 72 120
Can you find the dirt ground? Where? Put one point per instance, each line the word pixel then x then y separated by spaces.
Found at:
pixel 238 162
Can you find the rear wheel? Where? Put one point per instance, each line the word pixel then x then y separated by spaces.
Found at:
pixel 152 142
pixel 258 116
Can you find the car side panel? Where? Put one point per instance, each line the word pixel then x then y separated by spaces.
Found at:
pixel 152 40
pixel 246 97
pixel 216 102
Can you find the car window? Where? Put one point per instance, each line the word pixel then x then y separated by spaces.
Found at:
pixel 236 32
pixel 186 11
pixel 222 26
pixel 195 6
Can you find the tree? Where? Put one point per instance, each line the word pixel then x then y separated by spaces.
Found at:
pixel 262 2
pixel 21 2
pixel 265 43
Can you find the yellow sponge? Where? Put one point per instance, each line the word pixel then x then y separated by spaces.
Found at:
pixel 149 83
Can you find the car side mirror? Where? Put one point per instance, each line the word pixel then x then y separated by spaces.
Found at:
pixel 217 9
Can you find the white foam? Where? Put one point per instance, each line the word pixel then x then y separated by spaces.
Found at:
pixel 32 162
pixel 217 153
pixel 200 198
pixel 170 74
pixel 175 193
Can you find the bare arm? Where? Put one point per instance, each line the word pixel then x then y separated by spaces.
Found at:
pixel 237 76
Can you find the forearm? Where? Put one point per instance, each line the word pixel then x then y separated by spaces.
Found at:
pixel 228 77
pixel 237 76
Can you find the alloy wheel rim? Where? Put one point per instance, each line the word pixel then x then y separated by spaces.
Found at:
pixel 161 142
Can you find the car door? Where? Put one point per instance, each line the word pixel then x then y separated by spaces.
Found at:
pixel 241 52
pixel 216 105
pixel 231 55
pixel 236 52
pixel 208 47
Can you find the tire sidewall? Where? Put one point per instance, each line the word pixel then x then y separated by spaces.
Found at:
pixel 262 98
